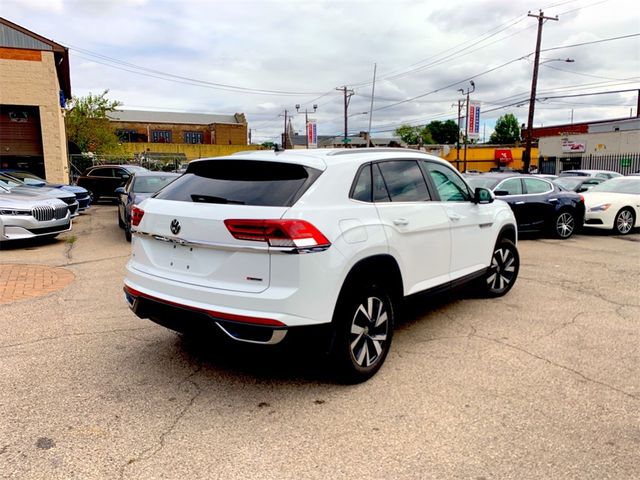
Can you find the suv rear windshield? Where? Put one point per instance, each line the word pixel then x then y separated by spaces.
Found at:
pixel 241 182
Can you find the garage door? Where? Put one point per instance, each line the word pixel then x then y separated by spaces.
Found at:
pixel 20 131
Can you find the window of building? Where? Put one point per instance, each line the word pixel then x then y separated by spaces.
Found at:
pixel 126 135
pixel 161 136
pixel 193 137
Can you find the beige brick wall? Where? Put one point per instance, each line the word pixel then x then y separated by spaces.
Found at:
pixel 26 82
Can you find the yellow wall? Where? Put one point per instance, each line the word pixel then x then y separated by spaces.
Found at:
pixel 190 150
pixel 482 158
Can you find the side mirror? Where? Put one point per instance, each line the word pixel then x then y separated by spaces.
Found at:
pixel 482 195
pixel 120 191
pixel 583 188
pixel 501 193
pixel 125 176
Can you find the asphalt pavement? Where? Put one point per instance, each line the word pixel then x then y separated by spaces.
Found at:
pixel 543 383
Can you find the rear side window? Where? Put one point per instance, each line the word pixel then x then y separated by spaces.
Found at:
pixel 362 187
pixel 534 185
pixel 101 172
pixel 241 182
pixel 404 181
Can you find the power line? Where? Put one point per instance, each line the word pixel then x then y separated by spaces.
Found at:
pixel 131 67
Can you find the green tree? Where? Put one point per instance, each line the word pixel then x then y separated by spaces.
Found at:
pixel 268 145
pixel 87 123
pixel 507 130
pixel 414 135
pixel 444 132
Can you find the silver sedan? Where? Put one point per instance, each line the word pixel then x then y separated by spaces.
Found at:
pixel 28 216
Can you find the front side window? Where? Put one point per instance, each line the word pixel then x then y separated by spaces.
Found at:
pixel 404 181
pixel 535 185
pixel 451 188
pixel 512 186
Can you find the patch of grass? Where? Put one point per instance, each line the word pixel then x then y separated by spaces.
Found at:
pixel 71 239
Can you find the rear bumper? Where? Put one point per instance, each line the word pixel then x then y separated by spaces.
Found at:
pixel 188 319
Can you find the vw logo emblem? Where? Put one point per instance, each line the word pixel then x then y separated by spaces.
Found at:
pixel 175 226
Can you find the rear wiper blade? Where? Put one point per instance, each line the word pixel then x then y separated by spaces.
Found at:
pixel 211 199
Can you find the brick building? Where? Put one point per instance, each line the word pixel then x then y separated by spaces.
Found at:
pixel 34 84
pixel 173 127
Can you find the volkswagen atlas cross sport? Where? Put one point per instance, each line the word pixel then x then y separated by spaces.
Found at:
pixel 259 245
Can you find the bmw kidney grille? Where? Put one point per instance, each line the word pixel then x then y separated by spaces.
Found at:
pixel 43 213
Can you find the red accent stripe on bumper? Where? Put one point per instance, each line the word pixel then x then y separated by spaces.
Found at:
pixel 220 315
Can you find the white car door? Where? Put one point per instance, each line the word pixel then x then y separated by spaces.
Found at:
pixel 417 228
pixel 471 233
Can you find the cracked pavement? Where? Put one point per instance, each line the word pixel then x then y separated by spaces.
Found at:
pixel 542 383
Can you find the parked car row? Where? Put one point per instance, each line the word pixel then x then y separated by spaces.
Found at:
pixel 31 207
pixel 577 198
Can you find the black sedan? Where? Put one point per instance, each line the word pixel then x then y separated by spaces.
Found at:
pixel 103 180
pixel 537 203
pixel 140 186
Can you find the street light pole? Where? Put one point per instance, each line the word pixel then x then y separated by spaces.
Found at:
pixel 526 157
pixel 466 122
pixel 306 120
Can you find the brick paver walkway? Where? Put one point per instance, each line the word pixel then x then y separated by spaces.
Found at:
pixel 20 282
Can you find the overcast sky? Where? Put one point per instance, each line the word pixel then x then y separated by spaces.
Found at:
pixel 307 48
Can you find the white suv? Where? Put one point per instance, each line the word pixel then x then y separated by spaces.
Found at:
pixel 260 244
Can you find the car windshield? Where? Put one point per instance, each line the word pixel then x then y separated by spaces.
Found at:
pixel 570 182
pixel 9 182
pixel 573 173
pixel 151 184
pixel 484 182
pixel 135 169
pixel 619 185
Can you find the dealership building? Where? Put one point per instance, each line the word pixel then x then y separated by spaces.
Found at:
pixel 34 86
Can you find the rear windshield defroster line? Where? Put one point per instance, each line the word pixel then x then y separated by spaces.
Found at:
pixel 241 182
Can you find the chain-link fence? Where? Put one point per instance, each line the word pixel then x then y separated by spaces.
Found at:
pixel 166 162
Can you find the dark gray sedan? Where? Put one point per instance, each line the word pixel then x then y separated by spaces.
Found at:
pixel 140 186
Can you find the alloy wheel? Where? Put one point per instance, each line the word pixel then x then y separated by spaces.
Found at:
pixel 369 332
pixel 565 224
pixel 502 270
pixel 624 222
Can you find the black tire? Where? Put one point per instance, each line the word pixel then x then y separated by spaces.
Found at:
pixel 564 224
pixel 624 222
pixel 503 271
pixel 363 329
pixel 121 224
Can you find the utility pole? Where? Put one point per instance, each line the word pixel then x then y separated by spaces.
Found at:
pixel 638 106
pixel 526 157
pixel 347 97
pixel 284 135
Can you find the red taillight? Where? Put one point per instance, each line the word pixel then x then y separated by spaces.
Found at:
pixel 136 216
pixel 581 198
pixel 278 233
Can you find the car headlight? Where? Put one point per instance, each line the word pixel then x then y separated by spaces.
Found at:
pixel 10 211
pixel 600 208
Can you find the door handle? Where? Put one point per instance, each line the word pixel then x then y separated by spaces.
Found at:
pixel 401 221
pixel 454 216
pixel 519 203
pixel 553 199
